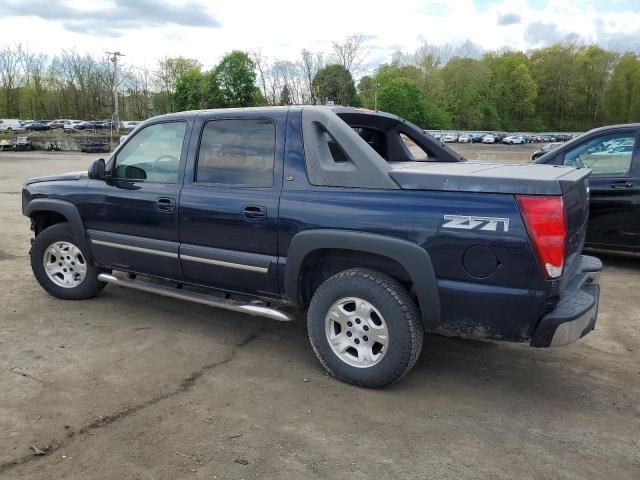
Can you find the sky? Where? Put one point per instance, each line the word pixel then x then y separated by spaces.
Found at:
pixel 147 30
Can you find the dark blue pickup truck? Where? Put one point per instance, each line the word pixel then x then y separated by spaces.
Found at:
pixel 373 228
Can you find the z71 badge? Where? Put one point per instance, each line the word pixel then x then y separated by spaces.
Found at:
pixel 465 222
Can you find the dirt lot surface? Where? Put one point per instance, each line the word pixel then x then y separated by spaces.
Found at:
pixel 135 386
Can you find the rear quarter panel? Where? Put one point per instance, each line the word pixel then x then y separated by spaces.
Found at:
pixel 505 305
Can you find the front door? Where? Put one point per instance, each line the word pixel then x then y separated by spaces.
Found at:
pixel 229 203
pixel 614 209
pixel 132 216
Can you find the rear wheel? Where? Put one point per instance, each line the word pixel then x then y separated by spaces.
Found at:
pixel 61 267
pixel 364 327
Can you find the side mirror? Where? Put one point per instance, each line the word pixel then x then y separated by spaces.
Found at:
pixel 97 170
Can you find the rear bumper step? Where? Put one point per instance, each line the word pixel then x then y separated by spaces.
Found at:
pixel 195 297
pixel 576 312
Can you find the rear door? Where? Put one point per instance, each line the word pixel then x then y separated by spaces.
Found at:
pixel 229 202
pixel 614 158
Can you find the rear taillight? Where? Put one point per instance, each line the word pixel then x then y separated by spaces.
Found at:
pixel 545 220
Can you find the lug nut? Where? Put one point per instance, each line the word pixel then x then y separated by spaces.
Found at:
pixel 358 321
pixel 365 338
pixel 365 328
pixel 349 324
pixel 349 334
pixel 356 341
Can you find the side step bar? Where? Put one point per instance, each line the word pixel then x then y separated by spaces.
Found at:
pixel 227 304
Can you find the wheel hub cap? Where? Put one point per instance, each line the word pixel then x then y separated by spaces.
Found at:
pixel 64 264
pixel 357 332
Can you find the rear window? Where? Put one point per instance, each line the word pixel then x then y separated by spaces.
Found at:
pixel 237 152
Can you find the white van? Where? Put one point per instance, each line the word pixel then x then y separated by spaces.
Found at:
pixel 10 125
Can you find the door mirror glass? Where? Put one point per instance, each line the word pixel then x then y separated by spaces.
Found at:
pixel 97 169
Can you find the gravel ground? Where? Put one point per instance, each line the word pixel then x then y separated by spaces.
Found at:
pixel 131 385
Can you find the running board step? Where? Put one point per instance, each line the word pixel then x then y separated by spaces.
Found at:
pixel 227 304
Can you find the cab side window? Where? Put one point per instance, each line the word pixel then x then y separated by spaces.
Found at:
pixel 608 155
pixel 237 152
pixel 153 154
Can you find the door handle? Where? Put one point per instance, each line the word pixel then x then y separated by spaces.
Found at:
pixel 165 205
pixel 621 184
pixel 254 213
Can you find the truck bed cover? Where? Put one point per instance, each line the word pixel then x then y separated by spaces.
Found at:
pixel 527 179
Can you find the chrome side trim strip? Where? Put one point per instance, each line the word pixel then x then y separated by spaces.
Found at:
pixel 134 249
pixel 227 304
pixel 220 263
pixel 208 261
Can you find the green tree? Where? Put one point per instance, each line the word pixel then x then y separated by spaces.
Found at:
pixel 512 89
pixel 402 97
pixel 335 83
pixel 467 93
pixel 232 83
pixel 189 90
pixel 285 96
pixel 595 67
pixel 169 70
pixel 622 96
pixel 555 71
pixel 367 91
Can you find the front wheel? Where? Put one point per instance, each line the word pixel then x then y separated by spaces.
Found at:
pixel 61 267
pixel 365 328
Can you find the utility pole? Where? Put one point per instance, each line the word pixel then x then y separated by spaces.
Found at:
pixel 113 57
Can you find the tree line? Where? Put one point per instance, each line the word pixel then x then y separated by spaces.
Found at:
pixel 564 87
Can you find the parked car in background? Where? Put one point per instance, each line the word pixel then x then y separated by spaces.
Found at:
pixel 129 126
pixel 38 126
pixel 477 137
pixel 87 125
pixel 514 140
pixel 546 148
pixel 450 138
pixel 613 155
pixel 436 135
pixel 72 126
pixel 488 139
pixel 106 124
pixel 464 138
pixel 59 124
pixel 10 125
pixel 499 136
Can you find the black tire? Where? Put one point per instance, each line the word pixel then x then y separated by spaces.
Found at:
pixel 61 232
pixel 388 296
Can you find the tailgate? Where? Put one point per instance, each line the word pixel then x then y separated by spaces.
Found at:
pixel 576 202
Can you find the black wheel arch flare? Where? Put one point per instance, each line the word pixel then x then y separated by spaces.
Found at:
pixel 413 258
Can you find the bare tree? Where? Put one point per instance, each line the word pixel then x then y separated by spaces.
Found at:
pixel 351 52
pixel 260 62
pixel 311 64
pixel 11 78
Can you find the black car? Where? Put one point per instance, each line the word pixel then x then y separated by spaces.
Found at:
pixel 38 127
pixel 613 155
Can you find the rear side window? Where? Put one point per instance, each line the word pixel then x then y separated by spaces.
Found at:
pixel 237 152
pixel 608 155
pixel 415 152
